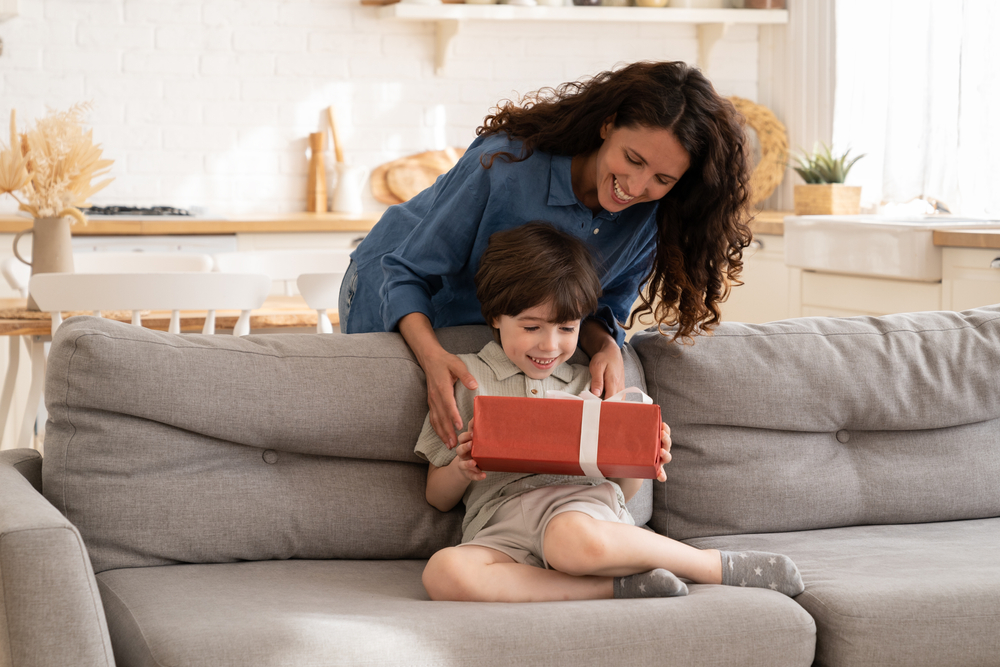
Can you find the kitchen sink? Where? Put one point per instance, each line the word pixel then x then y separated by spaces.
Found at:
pixel 871 245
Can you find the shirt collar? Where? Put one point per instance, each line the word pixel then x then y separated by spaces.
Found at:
pixel 561 181
pixel 503 367
pixel 561 186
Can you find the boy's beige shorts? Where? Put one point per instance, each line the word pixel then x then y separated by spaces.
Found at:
pixel 517 529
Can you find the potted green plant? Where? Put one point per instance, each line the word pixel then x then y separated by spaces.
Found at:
pixel 824 192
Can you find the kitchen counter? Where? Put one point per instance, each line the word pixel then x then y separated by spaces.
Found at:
pixel 769 222
pixel 773 222
pixel 968 238
pixel 765 222
pixel 237 224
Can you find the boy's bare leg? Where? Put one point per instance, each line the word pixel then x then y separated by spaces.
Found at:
pixel 481 574
pixel 578 544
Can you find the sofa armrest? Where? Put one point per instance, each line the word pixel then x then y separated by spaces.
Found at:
pixel 50 609
pixel 28 462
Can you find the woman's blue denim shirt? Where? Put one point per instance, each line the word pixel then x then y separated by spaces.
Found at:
pixel 422 255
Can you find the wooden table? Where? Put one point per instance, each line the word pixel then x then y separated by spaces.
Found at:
pixel 278 312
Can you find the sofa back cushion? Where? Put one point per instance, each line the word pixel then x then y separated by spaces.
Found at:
pixel 825 422
pixel 200 449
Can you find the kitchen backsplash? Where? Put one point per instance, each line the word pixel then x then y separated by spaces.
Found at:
pixel 210 104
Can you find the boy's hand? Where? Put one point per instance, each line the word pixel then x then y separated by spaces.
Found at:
pixel 466 464
pixel 664 451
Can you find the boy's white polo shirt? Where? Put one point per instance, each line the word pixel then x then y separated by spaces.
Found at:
pixel 497 375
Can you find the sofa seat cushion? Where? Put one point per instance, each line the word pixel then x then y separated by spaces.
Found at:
pixel 314 613
pixel 910 595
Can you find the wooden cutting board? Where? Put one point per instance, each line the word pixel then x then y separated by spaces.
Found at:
pixel 401 180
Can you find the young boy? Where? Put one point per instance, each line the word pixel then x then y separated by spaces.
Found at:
pixel 554 537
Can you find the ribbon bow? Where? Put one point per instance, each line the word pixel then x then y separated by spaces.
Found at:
pixel 590 422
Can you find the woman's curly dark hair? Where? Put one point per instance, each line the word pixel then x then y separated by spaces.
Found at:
pixel 703 221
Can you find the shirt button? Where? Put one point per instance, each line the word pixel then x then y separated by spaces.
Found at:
pixel 597 230
pixel 534 391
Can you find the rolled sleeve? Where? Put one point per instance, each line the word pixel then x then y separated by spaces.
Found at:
pixel 430 447
pixel 606 318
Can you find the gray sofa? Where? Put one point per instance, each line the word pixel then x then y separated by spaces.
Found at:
pixel 216 501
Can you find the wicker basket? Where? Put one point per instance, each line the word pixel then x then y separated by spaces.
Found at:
pixel 828 199
pixel 773 140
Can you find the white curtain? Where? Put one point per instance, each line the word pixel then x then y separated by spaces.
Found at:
pixel 918 91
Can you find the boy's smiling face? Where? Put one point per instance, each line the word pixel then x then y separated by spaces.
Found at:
pixel 534 343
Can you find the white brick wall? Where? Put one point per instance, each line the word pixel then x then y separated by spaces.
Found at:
pixel 210 103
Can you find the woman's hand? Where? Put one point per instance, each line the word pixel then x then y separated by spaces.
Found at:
pixel 607 367
pixel 664 451
pixel 607 372
pixel 464 461
pixel 442 370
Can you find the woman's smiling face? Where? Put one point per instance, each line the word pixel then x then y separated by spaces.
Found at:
pixel 637 164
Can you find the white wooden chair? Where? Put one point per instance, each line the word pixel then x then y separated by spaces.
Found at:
pixel 56 293
pixel 284 266
pixel 17 274
pixel 321 292
pixel 175 291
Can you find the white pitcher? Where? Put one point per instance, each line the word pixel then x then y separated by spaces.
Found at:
pixel 347 194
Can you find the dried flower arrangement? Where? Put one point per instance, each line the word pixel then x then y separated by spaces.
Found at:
pixel 52 165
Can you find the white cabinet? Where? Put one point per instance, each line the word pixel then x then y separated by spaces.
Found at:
pixel 836 295
pixel 970 278
pixel 764 294
pixel 246 241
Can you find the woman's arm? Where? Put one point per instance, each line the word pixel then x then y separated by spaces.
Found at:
pixel 442 369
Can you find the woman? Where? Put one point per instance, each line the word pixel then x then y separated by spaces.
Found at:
pixel 647 164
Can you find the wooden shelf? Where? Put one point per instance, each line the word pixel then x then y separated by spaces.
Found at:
pixel 712 24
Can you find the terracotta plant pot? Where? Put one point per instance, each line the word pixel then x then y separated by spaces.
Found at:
pixel 51 248
pixel 827 199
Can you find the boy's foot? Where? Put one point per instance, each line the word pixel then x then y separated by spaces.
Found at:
pixel 658 583
pixel 759 569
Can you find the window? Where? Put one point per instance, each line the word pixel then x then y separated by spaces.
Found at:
pixel 918 91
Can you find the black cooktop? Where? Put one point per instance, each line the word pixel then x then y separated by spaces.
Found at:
pixel 136 210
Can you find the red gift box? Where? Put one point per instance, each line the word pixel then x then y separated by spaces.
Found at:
pixel 543 436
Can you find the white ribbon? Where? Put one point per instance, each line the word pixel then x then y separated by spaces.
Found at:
pixel 590 423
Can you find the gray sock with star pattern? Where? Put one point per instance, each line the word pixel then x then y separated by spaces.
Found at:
pixel 759 569
pixel 658 583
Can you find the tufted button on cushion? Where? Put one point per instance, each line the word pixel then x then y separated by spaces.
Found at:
pixel 843 436
pixel 270 456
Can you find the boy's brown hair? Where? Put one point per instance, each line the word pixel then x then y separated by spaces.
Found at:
pixel 529 265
